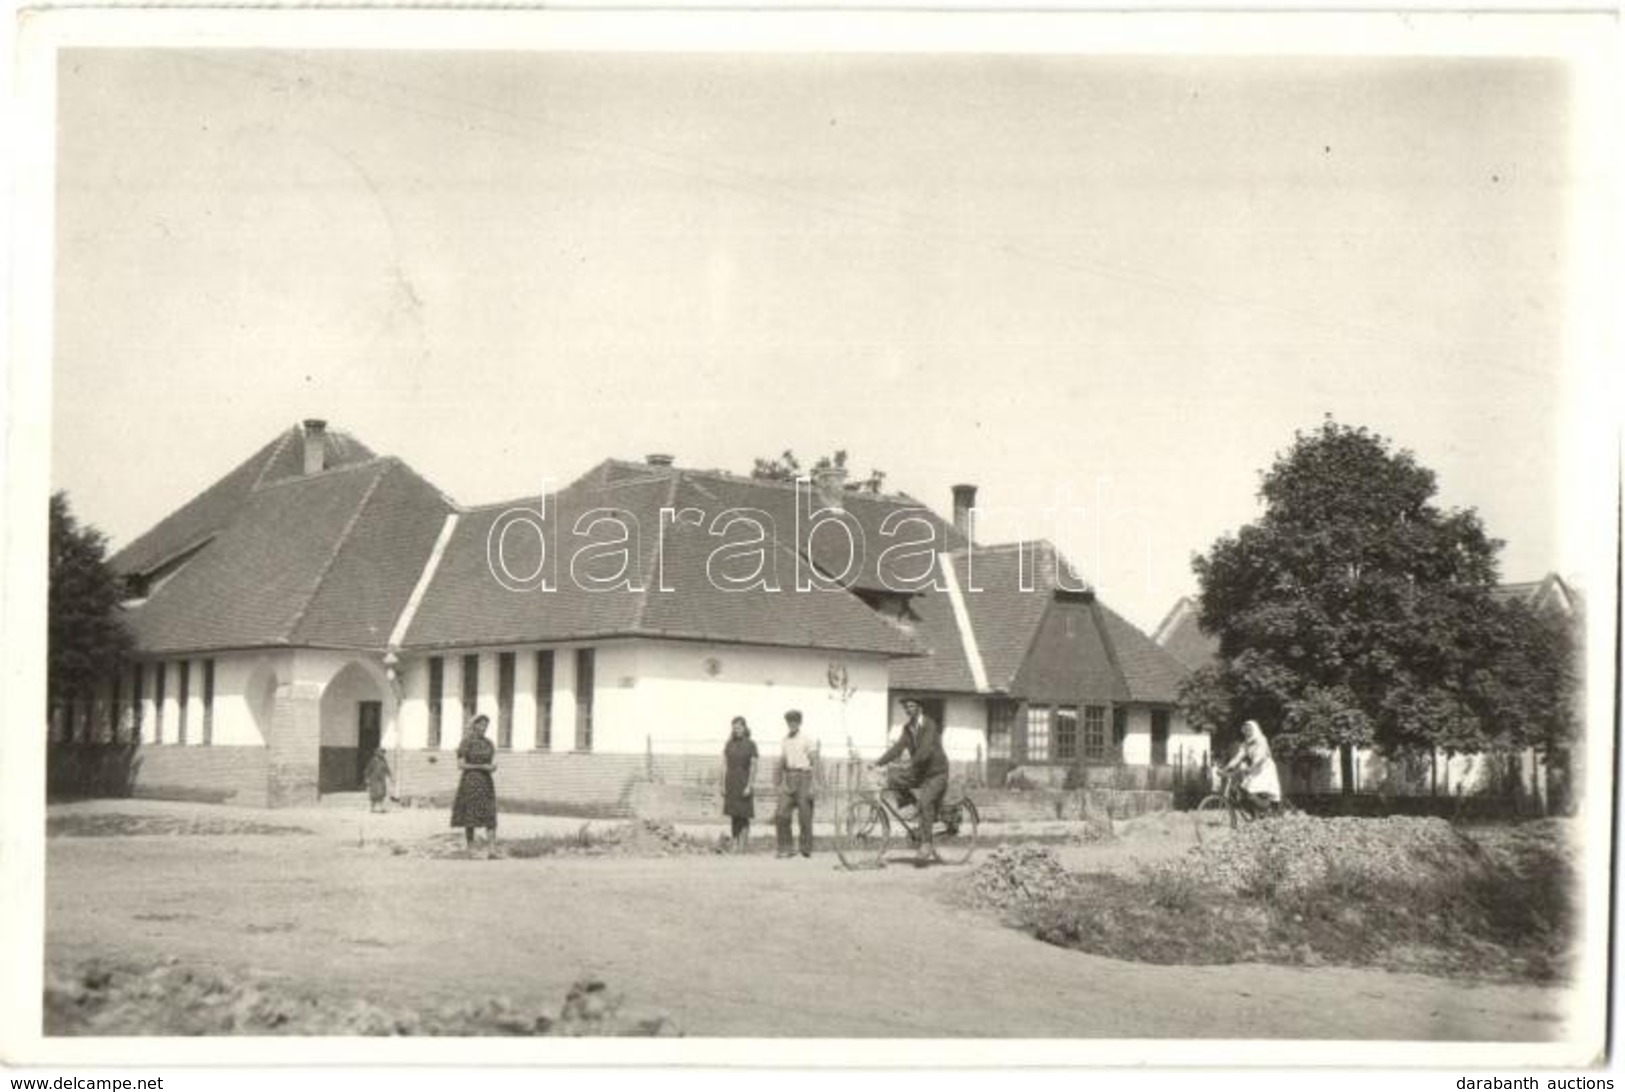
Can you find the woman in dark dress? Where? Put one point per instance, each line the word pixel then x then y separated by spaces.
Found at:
pixel 476 802
pixel 738 775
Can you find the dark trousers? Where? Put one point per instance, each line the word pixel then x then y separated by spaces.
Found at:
pixel 929 792
pixel 795 795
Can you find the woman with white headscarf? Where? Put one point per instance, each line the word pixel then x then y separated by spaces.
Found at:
pixel 1259 779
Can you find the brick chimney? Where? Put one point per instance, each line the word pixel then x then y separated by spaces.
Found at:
pixel 659 459
pixel 830 481
pixel 964 504
pixel 315 446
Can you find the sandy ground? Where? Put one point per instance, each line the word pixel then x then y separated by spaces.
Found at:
pixel 725 945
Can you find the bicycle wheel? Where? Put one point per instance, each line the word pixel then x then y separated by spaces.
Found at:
pixel 1213 818
pixel 862 842
pixel 956 841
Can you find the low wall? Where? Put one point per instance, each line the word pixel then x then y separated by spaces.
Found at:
pixel 214 775
pixel 683 788
pixel 563 782
pixel 1028 805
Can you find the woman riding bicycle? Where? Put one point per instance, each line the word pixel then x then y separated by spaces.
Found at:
pixel 1260 783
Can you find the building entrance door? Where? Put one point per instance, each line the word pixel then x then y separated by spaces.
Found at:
pixel 369 734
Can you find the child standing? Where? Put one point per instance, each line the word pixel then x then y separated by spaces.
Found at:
pixel 378 776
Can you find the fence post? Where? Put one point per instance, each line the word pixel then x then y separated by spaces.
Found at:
pixel 649 757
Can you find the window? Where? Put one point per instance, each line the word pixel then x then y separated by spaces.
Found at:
pixel 437 695
pixel 160 673
pixel 584 667
pixel 1119 727
pixel 208 702
pixel 505 665
pixel 1094 731
pixel 183 694
pixel 471 686
pixel 1038 725
pixel 1001 718
pixel 544 700
pixel 1066 733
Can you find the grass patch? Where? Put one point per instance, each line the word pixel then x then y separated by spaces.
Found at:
pixel 510 806
pixel 1403 894
pixel 114 825
pixel 101 997
pixel 638 838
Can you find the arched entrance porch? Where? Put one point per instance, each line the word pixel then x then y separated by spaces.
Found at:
pixel 357 709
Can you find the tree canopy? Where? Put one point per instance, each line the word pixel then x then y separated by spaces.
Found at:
pixel 787 468
pixel 87 640
pixel 1356 612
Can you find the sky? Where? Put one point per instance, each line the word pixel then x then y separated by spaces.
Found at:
pixel 1105 290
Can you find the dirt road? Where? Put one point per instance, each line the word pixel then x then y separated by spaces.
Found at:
pixel 727 946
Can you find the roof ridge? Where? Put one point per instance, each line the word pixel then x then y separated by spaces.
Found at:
pixel 963 625
pixel 412 470
pixel 1183 605
pixel 1006 547
pixel 338 544
pixel 1031 641
pixel 775 483
pixel 653 564
pixel 270 461
pixel 295 479
pixel 1108 643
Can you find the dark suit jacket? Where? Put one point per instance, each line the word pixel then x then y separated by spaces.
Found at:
pixel 922 739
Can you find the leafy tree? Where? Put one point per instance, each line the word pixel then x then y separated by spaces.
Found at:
pixel 1533 684
pixel 87 641
pixel 787 468
pixel 1355 612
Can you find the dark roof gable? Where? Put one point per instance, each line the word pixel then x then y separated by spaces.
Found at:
pixel 212 510
pixel 326 560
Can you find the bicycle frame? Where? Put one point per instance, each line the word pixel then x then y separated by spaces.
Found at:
pixel 912 829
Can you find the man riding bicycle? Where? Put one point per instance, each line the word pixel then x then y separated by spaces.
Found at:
pixel 925 778
pixel 1260 783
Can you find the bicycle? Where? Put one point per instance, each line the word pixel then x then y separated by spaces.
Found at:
pixel 1226 809
pixel 862 843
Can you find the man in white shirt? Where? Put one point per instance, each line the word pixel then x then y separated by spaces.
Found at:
pixel 797 754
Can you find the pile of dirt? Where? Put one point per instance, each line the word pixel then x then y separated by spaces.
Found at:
pixel 651 838
pixel 1406 894
pixel 1296 852
pixel 114 824
pixel 98 997
pixel 1017 875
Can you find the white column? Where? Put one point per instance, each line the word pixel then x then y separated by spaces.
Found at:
pixel 125 717
pixel 172 704
pixel 487 703
pixel 524 700
pixel 412 722
pixel 194 705
pixel 564 699
pixel 149 708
